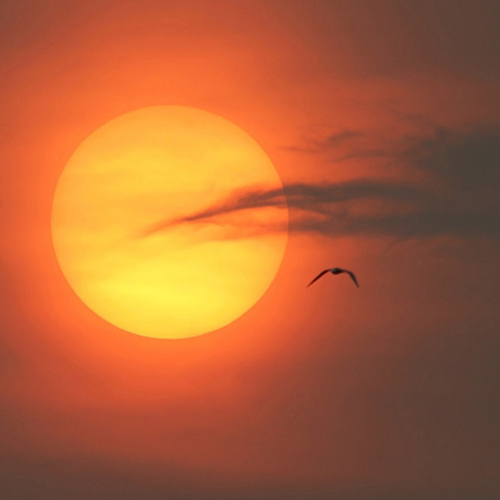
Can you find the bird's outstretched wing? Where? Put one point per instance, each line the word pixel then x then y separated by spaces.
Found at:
pixel 322 273
pixel 351 274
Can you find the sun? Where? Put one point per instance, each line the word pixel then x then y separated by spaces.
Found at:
pixel 161 164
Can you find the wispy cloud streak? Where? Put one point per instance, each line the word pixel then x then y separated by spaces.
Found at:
pixel 462 167
pixel 322 208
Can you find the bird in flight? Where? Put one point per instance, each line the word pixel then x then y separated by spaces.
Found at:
pixel 336 270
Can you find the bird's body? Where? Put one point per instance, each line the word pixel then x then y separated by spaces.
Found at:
pixel 336 270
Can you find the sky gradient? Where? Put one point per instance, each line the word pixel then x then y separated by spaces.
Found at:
pixel 383 121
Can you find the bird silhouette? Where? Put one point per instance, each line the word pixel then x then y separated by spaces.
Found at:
pixel 335 270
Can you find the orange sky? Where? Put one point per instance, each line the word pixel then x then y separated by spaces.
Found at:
pixel 387 117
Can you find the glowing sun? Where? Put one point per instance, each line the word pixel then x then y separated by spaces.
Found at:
pixel 159 164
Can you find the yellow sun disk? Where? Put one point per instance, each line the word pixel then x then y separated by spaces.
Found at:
pixel 153 165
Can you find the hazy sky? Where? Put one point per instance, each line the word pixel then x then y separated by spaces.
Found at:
pixel 383 120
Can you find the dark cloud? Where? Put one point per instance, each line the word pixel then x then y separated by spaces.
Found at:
pixel 340 137
pixel 316 208
pixel 337 209
pixel 463 168
pixel 345 145
pixel 468 160
pixel 331 141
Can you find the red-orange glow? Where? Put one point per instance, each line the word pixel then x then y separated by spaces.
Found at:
pixel 323 387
